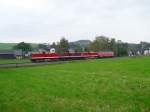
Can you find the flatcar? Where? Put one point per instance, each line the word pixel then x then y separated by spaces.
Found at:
pixel 48 56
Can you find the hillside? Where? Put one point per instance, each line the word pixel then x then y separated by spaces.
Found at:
pixel 82 43
pixel 9 46
pixel 6 46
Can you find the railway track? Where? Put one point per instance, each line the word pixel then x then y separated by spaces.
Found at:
pixel 16 65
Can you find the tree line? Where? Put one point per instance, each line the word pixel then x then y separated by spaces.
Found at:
pixel 100 43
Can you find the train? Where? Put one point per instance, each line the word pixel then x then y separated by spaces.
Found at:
pixel 48 56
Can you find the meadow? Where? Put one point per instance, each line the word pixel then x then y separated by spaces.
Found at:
pixel 101 85
pixel 9 46
pixel 14 61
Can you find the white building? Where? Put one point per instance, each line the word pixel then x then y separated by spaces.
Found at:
pixel 146 52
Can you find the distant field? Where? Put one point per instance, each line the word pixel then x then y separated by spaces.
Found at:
pixel 12 61
pixel 105 85
pixel 8 46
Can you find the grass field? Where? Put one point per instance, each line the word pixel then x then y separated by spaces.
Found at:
pixel 14 61
pixel 105 85
pixel 9 46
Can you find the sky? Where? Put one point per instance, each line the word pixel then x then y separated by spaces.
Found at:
pixel 49 20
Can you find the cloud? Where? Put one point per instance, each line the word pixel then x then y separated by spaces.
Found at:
pixel 24 4
pixel 49 20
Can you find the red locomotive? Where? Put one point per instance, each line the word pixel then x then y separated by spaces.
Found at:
pixel 47 56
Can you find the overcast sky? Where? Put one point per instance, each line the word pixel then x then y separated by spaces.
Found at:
pixel 49 20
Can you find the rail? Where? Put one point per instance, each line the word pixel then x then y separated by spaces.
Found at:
pixel 16 65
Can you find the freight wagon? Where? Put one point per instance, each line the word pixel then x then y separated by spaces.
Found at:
pixel 48 56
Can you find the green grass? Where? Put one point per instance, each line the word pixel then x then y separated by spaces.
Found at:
pixel 14 61
pixel 107 85
pixel 9 46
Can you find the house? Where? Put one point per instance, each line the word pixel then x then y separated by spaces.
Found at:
pixel 146 52
pixel 11 54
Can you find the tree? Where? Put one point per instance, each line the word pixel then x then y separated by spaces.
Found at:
pixel 134 48
pixel 75 46
pixel 63 45
pixel 94 46
pixel 113 46
pixel 144 46
pixel 42 46
pixel 101 43
pixel 53 45
pixel 122 49
pixel 25 47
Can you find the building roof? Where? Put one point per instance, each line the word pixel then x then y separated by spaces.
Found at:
pixel 14 52
pixel 6 51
